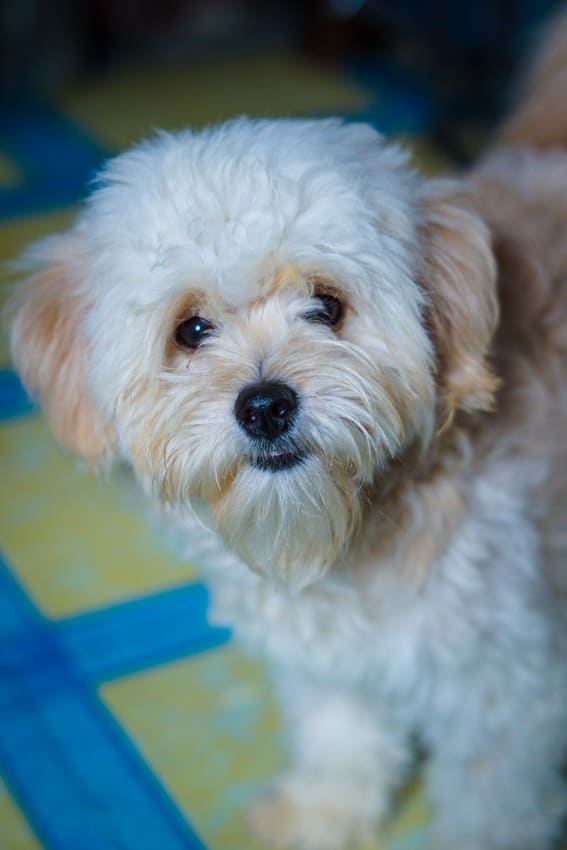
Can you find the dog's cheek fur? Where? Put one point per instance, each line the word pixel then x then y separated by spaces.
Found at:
pixel 178 453
pixel 49 350
pixel 459 278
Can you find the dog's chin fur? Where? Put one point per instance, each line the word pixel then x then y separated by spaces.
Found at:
pixel 293 526
pixel 417 496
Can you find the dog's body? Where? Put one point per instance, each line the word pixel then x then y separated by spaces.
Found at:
pixel 448 617
pixel 361 376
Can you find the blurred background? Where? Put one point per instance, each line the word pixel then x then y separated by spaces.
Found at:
pixel 435 66
pixel 127 721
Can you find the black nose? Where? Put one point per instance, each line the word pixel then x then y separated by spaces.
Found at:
pixel 266 410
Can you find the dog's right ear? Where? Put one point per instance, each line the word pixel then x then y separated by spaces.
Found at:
pixel 459 280
pixel 45 317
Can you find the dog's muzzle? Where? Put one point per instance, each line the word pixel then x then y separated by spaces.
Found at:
pixel 266 412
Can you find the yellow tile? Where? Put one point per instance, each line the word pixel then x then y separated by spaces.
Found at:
pixel 75 542
pixel 15 834
pixel 210 730
pixel 128 106
pixel 10 174
pixel 426 156
pixel 411 816
pixel 17 233
pixel 4 348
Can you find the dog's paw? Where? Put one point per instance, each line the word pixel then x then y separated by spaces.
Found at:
pixel 298 815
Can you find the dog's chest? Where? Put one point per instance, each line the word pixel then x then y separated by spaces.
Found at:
pixel 377 636
pixel 330 632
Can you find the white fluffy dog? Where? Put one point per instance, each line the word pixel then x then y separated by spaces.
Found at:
pixel 353 375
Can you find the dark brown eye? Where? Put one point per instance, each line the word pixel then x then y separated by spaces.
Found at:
pixel 329 310
pixel 192 332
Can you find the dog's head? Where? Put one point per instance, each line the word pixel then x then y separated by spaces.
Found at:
pixel 260 317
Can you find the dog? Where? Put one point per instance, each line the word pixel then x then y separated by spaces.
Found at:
pixel 345 383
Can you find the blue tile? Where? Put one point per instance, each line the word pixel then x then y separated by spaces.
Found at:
pixel 75 774
pixel 135 635
pixel 55 157
pixel 14 401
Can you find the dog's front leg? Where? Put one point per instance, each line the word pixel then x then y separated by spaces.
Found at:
pixel 346 761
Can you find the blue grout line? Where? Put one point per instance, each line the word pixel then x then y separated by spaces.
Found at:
pixel 77 776
pixel 142 633
pixel 14 401
pixel 57 159
pixel 74 772
pixel 17 611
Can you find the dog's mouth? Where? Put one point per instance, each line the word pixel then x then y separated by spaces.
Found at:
pixel 277 460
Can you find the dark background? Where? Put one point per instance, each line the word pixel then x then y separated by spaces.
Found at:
pixel 465 53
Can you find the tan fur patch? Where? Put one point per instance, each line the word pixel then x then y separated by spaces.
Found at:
pixel 51 357
pixel 460 281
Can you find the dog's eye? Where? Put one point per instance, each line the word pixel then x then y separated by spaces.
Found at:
pixel 191 332
pixel 328 311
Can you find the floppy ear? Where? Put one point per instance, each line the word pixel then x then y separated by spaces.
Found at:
pixel 45 316
pixel 459 278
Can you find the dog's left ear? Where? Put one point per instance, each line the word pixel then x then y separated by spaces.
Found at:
pixel 45 318
pixel 459 278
